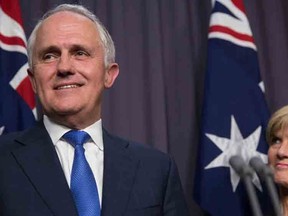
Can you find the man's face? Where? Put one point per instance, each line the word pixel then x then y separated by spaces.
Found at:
pixel 68 72
pixel 278 157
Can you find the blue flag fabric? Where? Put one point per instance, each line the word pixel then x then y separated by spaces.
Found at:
pixel 17 102
pixel 234 115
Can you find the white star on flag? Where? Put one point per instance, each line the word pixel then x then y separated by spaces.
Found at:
pixel 1 130
pixel 236 145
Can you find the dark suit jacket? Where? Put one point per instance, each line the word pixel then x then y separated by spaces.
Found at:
pixel 137 181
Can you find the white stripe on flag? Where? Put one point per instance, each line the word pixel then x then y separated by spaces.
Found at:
pixel 10 28
pixel 13 48
pixel 230 22
pixel 228 37
pixel 19 76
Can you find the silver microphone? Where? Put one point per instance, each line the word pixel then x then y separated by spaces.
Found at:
pixel 245 172
pixel 266 175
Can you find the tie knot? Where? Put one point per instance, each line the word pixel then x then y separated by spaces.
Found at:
pixel 76 137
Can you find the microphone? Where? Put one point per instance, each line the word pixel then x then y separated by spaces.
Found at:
pixel 245 173
pixel 265 174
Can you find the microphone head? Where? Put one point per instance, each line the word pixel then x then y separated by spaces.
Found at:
pixel 257 164
pixel 260 167
pixel 239 165
pixel 236 162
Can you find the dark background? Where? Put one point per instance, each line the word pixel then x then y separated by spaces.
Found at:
pixel 161 47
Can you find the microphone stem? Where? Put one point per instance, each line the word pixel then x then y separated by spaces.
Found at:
pixel 252 196
pixel 273 194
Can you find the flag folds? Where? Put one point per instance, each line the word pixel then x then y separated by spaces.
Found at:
pixel 234 114
pixel 17 102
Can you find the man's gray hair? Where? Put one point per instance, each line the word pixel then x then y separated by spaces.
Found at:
pixel 107 42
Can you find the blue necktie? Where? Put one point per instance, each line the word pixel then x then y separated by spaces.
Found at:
pixel 83 185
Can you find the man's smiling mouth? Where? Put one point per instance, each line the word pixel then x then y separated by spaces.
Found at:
pixel 68 86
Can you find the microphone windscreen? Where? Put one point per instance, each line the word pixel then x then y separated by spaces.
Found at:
pixel 257 164
pixel 260 167
pixel 239 166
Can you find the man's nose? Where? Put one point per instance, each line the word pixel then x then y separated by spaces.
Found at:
pixel 64 66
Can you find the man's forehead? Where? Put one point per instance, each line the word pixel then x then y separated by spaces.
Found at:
pixel 66 13
pixel 65 24
pixel 67 18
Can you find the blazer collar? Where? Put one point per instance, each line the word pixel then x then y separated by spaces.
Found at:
pixel 39 160
pixel 120 168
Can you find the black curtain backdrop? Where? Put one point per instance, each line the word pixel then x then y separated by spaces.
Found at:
pixel 161 48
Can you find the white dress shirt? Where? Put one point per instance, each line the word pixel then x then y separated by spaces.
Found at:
pixel 94 150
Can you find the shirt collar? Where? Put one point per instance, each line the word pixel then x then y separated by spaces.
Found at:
pixel 56 131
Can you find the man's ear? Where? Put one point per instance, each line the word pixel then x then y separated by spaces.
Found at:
pixel 111 74
pixel 32 79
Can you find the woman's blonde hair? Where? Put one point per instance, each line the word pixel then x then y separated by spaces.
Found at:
pixel 277 122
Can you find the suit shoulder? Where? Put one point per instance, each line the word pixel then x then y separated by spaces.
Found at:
pixel 140 150
pixel 7 141
pixel 147 151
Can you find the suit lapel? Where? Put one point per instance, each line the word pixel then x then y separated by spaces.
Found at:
pixel 119 173
pixel 40 163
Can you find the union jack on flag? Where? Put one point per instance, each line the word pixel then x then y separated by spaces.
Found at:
pixel 17 102
pixel 234 114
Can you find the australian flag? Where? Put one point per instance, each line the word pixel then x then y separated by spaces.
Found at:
pixel 17 102
pixel 234 114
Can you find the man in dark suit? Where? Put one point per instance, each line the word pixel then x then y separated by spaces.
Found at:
pixel 71 62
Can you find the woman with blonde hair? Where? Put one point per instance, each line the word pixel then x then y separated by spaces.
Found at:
pixel 277 137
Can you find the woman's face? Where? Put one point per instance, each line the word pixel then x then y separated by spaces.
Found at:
pixel 278 156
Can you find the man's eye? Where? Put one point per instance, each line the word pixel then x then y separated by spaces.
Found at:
pixel 49 57
pixel 81 53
